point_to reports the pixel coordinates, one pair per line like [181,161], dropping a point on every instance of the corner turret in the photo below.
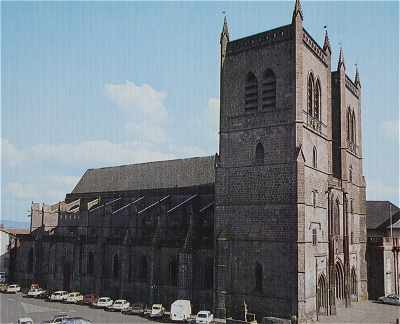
[341,61]
[297,11]
[224,39]
[327,45]
[357,81]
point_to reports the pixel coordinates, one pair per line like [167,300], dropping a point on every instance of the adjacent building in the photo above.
[383,248]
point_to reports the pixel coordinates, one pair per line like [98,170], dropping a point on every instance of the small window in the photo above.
[173,273]
[317,100]
[29,266]
[314,198]
[90,266]
[259,277]
[251,92]
[315,158]
[259,154]
[351,174]
[310,93]
[143,268]
[116,267]
[352,238]
[314,236]
[269,90]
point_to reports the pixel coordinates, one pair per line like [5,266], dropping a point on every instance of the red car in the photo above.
[89,299]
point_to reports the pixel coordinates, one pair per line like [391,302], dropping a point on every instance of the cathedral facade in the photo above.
[276,220]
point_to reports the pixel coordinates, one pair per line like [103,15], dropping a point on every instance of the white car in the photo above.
[25,320]
[74,297]
[13,288]
[157,311]
[59,295]
[58,319]
[103,302]
[204,317]
[119,305]
[35,292]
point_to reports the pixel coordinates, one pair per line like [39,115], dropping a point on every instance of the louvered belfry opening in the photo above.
[251,92]
[269,90]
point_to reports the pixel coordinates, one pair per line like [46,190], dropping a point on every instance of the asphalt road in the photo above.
[14,306]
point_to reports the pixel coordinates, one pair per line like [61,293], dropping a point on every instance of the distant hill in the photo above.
[14,224]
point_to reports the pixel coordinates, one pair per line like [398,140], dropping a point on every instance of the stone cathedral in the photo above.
[275,220]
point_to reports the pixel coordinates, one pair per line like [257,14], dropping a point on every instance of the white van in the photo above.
[181,310]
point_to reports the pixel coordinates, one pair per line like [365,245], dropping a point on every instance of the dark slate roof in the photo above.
[152,175]
[378,212]
[395,222]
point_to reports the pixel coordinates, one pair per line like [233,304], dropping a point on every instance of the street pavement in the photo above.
[14,306]
[365,312]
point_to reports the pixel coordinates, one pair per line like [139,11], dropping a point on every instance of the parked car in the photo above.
[180,310]
[35,292]
[393,299]
[204,317]
[58,319]
[75,320]
[3,287]
[89,299]
[135,309]
[103,302]
[118,305]
[46,295]
[59,295]
[25,320]
[74,297]
[12,289]
[157,311]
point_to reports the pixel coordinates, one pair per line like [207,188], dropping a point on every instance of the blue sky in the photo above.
[90,84]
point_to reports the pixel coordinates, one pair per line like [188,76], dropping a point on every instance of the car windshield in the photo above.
[118,302]
[103,300]
[202,315]
[156,307]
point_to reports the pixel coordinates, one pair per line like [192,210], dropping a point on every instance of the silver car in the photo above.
[392,299]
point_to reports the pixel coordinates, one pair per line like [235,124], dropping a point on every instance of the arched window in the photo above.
[322,300]
[258,272]
[317,100]
[314,198]
[259,154]
[116,267]
[29,265]
[130,269]
[269,90]
[143,268]
[90,266]
[81,260]
[251,92]
[315,158]
[314,236]
[209,273]
[310,90]
[353,285]
[173,272]
[348,119]
[339,284]
[336,218]
[353,127]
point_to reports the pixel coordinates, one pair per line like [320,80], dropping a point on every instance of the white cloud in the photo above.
[144,108]
[391,129]
[10,155]
[48,189]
